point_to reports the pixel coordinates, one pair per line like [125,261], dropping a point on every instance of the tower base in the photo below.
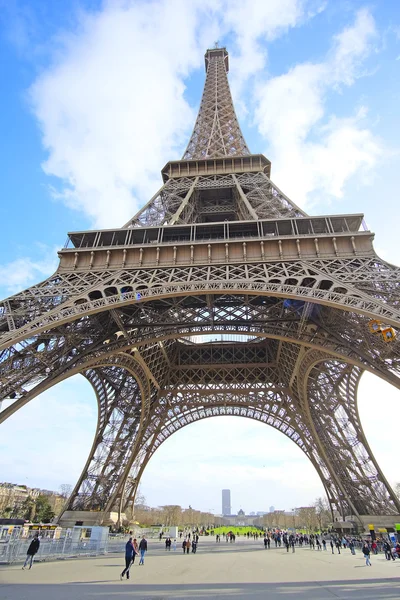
[89,518]
[362,523]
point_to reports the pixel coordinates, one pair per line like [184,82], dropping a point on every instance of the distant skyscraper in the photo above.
[271,508]
[226,502]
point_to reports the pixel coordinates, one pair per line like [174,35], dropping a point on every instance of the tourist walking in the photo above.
[194,546]
[174,546]
[366,552]
[332,547]
[129,557]
[32,550]
[188,544]
[184,546]
[142,549]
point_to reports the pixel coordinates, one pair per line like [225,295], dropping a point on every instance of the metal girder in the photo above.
[216,131]
[218,250]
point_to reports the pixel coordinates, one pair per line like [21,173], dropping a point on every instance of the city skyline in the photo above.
[335,149]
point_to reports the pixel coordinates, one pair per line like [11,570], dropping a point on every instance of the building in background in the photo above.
[226,502]
[272,509]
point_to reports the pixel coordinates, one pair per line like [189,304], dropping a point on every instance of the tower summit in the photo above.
[300,305]
[216,132]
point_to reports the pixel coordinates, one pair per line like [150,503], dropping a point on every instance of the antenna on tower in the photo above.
[216,44]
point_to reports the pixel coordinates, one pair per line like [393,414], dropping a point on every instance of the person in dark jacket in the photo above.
[129,558]
[32,550]
[366,551]
[143,550]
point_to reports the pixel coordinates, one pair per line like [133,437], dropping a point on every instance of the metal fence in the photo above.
[15,550]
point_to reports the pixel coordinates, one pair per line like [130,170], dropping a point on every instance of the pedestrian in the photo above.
[388,551]
[351,546]
[174,546]
[184,546]
[332,547]
[366,552]
[32,550]
[143,550]
[194,546]
[188,544]
[324,543]
[129,556]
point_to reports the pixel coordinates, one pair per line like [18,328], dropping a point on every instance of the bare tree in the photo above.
[65,490]
[140,498]
[307,518]
[322,512]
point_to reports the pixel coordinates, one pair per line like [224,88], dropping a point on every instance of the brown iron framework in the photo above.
[218,251]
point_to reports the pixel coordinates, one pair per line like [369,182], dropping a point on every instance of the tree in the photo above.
[66,490]
[140,498]
[44,513]
[322,512]
[171,514]
[27,509]
[307,518]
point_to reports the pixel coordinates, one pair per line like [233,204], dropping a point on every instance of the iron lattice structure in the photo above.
[218,252]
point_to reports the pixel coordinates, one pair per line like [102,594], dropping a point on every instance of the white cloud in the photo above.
[25,271]
[111,106]
[314,151]
[256,22]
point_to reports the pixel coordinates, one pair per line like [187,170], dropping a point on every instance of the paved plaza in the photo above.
[243,570]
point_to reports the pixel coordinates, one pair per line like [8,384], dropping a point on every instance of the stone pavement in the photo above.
[243,571]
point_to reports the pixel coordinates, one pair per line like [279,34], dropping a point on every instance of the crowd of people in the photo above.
[323,542]
[280,539]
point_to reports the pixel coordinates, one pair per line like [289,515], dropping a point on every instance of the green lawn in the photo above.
[236,530]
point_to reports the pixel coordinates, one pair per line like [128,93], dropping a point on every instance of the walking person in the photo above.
[366,551]
[174,546]
[324,543]
[184,546]
[332,547]
[32,550]
[129,557]
[143,550]
[188,544]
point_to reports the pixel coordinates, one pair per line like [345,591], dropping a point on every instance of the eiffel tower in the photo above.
[219,297]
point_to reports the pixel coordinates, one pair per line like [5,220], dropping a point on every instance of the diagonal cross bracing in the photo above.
[219,297]
[217,131]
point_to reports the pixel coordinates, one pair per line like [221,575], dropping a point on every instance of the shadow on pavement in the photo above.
[387,589]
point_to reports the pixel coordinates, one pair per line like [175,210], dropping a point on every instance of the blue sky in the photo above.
[98,96]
